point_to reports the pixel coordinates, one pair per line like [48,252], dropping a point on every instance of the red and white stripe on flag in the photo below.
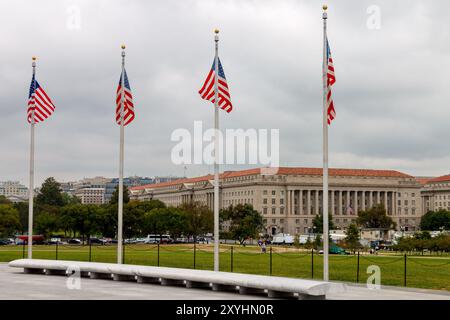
[39,102]
[207,91]
[331,79]
[128,106]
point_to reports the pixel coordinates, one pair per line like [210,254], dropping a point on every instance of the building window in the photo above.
[264,210]
[274,221]
[273,210]
[297,221]
[281,201]
[264,192]
[265,201]
[281,220]
[273,192]
[282,210]
[273,201]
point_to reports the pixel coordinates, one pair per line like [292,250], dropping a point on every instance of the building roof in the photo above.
[281,171]
[440,179]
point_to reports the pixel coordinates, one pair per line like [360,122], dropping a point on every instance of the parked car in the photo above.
[96,241]
[130,241]
[4,242]
[74,241]
[140,240]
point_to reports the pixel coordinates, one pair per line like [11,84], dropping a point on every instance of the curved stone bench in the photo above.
[221,281]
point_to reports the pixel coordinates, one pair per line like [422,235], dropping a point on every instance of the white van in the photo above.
[156,238]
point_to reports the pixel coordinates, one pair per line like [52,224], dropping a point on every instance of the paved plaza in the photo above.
[15,284]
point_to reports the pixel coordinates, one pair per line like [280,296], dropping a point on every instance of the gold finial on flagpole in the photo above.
[324,7]
[123,47]
[216,31]
[33,58]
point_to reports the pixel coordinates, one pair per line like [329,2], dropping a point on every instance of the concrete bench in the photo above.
[273,287]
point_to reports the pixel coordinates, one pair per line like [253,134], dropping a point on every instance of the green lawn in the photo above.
[422,272]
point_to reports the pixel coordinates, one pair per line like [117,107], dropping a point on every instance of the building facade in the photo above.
[13,191]
[290,198]
[436,194]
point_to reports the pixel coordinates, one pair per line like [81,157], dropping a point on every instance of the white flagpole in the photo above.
[216,153]
[31,186]
[325,150]
[120,196]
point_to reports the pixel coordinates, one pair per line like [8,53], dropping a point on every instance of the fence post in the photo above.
[90,251]
[270,260]
[56,250]
[404,280]
[231,267]
[158,254]
[357,270]
[123,251]
[312,263]
[23,249]
[195,249]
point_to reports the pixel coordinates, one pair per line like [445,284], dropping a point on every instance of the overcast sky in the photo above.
[391,94]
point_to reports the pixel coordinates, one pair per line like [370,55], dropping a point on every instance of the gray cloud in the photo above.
[390,95]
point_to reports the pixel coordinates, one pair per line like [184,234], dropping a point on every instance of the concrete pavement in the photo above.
[15,284]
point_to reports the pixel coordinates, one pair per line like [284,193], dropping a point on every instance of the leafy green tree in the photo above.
[115,195]
[50,193]
[318,223]
[4,200]
[165,220]
[245,222]
[352,237]
[199,219]
[434,220]
[46,223]
[22,209]
[68,199]
[9,220]
[375,217]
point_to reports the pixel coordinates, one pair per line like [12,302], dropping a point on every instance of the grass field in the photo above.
[422,272]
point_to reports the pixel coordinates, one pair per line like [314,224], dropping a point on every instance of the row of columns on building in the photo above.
[341,202]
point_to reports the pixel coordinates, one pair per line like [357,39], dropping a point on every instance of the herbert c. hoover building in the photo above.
[289,198]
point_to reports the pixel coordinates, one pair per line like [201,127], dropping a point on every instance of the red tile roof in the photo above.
[440,179]
[283,171]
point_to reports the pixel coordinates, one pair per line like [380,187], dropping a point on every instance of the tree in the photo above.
[318,223]
[352,237]
[4,200]
[22,209]
[245,222]
[115,195]
[46,224]
[435,220]
[68,199]
[9,220]
[50,193]
[165,220]
[375,217]
[198,219]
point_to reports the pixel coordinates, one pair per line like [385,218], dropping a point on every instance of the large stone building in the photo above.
[290,198]
[436,194]
[13,190]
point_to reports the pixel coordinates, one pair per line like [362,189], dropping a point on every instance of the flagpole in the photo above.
[31,186]
[216,152]
[325,150]
[121,156]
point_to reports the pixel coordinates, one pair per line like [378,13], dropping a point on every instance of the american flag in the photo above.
[39,102]
[330,81]
[128,107]
[207,91]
